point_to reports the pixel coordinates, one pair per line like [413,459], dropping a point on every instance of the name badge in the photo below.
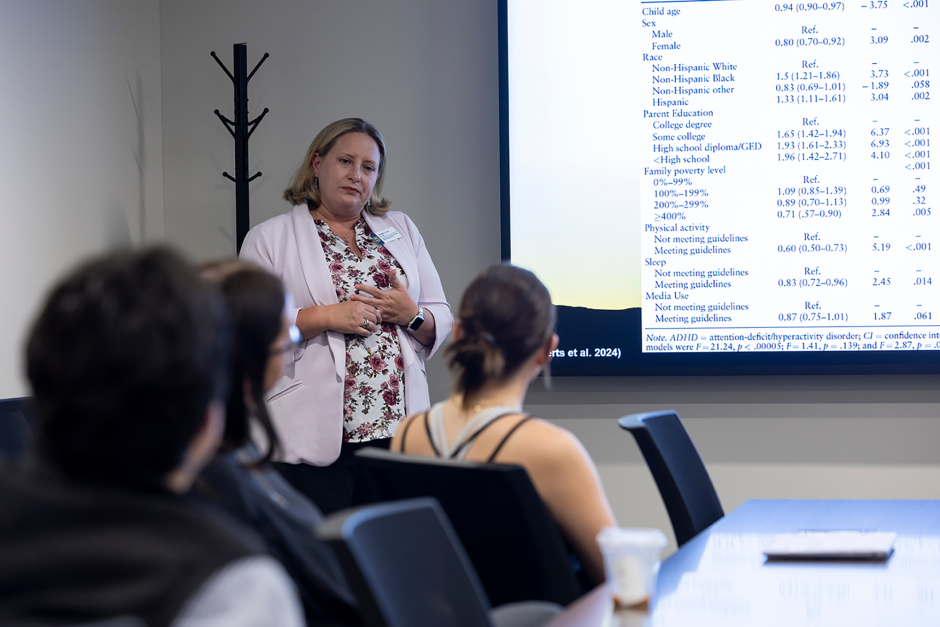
[386,236]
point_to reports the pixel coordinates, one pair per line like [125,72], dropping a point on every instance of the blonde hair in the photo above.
[302,188]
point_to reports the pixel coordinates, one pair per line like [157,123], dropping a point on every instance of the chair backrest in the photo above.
[678,470]
[406,565]
[123,621]
[510,536]
[16,436]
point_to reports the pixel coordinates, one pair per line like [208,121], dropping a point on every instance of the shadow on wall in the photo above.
[139,154]
[223,185]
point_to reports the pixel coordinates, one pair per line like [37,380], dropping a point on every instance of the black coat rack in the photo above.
[241,130]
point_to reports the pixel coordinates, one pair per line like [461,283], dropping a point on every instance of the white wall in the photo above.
[80,146]
[425,71]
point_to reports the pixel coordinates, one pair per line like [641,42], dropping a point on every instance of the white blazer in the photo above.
[306,403]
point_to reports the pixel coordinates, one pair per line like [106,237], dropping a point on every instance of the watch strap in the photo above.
[417,321]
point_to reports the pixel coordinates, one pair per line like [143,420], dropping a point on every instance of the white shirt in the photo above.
[254,591]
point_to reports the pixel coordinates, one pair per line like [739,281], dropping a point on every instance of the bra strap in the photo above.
[404,433]
[460,449]
[427,428]
[507,436]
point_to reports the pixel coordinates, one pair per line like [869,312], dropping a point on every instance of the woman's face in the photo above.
[282,349]
[347,173]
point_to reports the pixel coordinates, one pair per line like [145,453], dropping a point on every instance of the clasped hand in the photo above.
[356,317]
[394,305]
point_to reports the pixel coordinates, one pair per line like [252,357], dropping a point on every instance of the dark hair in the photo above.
[506,315]
[124,359]
[255,301]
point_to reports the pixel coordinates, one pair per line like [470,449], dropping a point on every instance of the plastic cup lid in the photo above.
[618,536]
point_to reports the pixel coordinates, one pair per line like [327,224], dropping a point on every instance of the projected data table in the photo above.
[788,201]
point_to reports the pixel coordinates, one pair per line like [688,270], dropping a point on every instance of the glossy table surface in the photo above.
[722,578]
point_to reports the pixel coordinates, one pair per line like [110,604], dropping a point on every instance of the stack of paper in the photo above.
[851,545]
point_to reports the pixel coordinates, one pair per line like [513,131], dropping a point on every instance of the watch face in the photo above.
[416,324]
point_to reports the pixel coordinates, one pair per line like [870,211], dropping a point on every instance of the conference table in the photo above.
[720,577]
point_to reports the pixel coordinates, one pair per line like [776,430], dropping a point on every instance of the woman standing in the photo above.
[370,309]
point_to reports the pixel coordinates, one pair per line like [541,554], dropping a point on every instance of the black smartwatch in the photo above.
[417,321]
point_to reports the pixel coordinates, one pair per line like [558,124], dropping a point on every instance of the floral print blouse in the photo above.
[374,395]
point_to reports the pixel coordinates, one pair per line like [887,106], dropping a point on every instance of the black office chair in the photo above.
[407,567]
[124,621]
[511,538]
[680,475]
[16,436]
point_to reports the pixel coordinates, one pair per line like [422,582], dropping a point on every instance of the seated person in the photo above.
[503,338]
[127,363]
[240,479]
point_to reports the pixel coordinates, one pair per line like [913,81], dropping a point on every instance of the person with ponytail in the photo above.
[241,480]
[503,338]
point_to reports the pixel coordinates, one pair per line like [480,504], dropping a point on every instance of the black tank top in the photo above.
[433,424]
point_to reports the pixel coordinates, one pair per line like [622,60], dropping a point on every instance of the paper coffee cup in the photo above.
[631,561]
